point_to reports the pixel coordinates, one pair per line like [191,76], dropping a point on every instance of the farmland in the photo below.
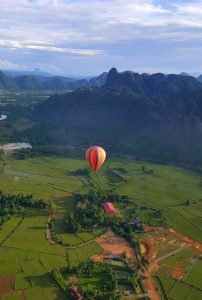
[26,253]
[168,188]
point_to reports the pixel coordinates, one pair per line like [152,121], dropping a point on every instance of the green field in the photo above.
[177,290]
[185,260]
[26,253]
[189,285]
[195,275]
[24,250]
[99,279]
[168,188]
[11,297]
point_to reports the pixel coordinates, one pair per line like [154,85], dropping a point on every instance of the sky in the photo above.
[88,37]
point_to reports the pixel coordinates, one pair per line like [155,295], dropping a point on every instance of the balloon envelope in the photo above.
[95,156]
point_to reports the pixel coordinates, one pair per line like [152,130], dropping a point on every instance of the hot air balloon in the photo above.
[95,156]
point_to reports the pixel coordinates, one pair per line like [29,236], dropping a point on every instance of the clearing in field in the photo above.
[113,244]
[177,273]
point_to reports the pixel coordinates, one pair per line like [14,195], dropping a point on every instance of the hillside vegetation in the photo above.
[157,117]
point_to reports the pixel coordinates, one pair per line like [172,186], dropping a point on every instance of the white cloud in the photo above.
[8,65]
[46,46]
[97,31]
[61,23]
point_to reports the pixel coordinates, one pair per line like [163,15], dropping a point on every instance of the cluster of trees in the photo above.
[54,235]
[92,294]
[98,196]
[109,291]
[12,204]
[153,216]
[89,212]
[28,201]
[123,229]
[23,154]
[117,176]
[147,171]
[61,281]
[134,280]
[87,216]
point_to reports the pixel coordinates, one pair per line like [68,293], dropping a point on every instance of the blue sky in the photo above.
[87,37]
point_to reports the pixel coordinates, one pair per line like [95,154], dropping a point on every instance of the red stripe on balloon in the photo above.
[93,159]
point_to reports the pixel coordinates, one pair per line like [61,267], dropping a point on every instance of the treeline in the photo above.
[45,149]
[61,282]
[12,204]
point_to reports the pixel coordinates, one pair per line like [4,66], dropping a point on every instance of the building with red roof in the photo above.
[109,208]
[75,293]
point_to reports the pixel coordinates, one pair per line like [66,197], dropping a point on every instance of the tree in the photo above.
[187,202]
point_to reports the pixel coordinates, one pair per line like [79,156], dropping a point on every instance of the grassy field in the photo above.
[183,260]
[168,188]
[24,250]
[99,279]
[195,275]
[172,289]
[180,275]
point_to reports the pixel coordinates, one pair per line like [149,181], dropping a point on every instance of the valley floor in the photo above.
[28,254]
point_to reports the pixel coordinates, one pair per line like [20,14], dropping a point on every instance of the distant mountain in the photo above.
[7,83]
[36,72]
[199,78]
[184,74]
[154,116]
[56,83]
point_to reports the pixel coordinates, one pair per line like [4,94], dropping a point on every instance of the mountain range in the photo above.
[157,116]
[40,83]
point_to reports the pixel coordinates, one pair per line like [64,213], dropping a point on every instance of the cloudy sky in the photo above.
[87,37]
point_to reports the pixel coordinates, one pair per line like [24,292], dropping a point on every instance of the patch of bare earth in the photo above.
[7,284]
[177,273]
[183,238]
[151,251]
[150,246]
[113,244]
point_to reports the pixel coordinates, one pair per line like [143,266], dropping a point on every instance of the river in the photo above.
[3,117]
[15,146]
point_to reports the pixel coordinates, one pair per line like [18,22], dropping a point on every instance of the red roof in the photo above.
[108,207]
[75,293]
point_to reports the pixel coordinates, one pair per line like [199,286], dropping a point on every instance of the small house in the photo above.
[109,208]
[75,294]
[126,293]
